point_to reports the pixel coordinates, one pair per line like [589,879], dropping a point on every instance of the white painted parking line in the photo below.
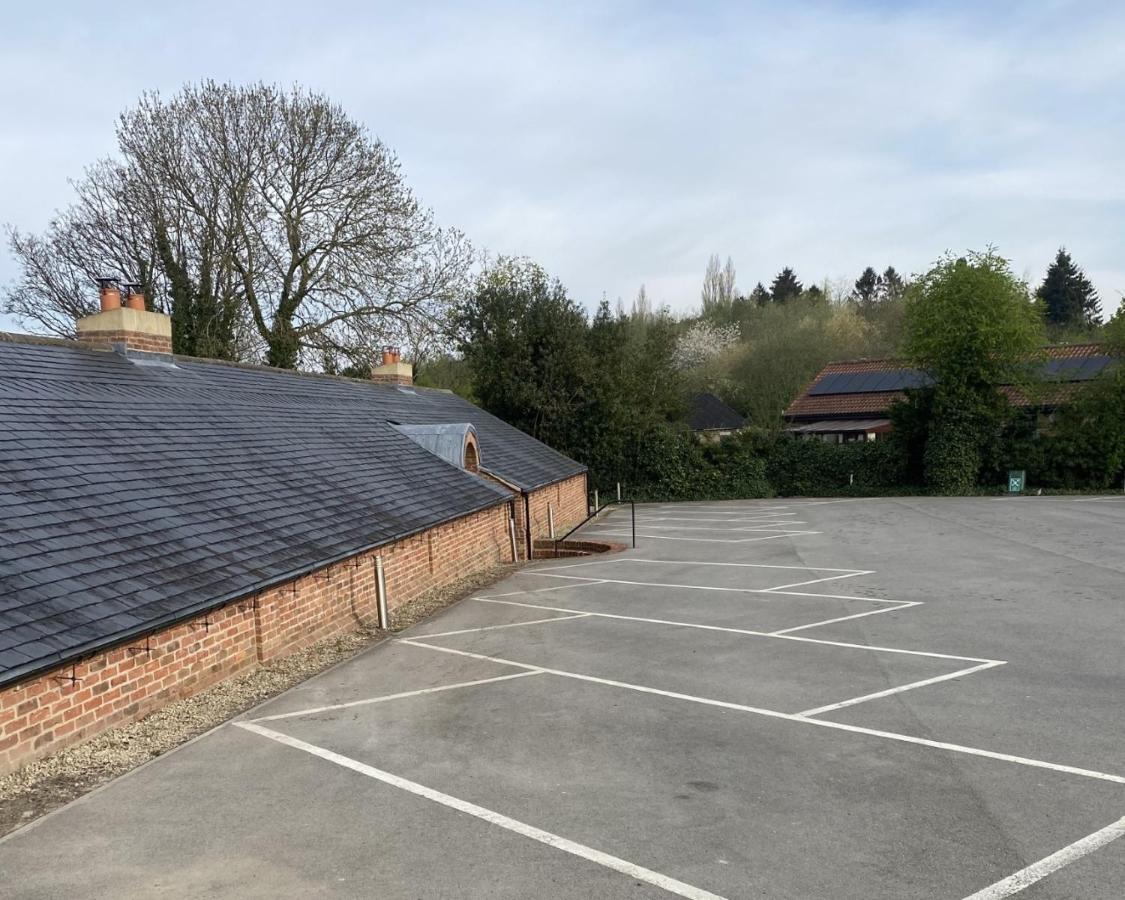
[792,717]
[826,502]
[768,517]
[898,690]
[665,537]
[561,587]
[876,648]
[617,864]
[576,615]
[765,634]
[782,587]
[695,562]
[314,710]
[1037,871]
[904,604]
[720,528]
[710,587]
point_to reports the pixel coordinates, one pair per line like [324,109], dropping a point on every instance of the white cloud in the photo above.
[624,143]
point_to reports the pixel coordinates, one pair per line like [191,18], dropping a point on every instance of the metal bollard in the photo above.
[551,520]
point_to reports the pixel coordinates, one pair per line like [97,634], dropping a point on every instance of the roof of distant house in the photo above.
[868,387]
[134,496]
[708,413]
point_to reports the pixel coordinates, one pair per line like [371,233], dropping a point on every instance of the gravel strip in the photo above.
[48,783]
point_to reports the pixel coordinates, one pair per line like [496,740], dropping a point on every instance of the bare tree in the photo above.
[270,203]
[718,286]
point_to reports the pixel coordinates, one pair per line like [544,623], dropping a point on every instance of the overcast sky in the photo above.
[621,143]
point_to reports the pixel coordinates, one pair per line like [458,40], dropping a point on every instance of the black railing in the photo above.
[594,515]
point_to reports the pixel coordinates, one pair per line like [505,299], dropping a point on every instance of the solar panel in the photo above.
[1083,368]
[1078,369]
[869,382]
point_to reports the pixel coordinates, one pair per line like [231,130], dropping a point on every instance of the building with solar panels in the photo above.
[851,401]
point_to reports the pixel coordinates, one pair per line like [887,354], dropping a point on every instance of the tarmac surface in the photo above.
[875,699]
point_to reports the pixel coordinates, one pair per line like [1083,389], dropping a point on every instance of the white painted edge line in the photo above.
[904,604]
[900,689]
[792,717]
[1026,877]
[782,587]
[664,537]
[695,562]
[577,615]
[384,698]
[625,867]
[747,631]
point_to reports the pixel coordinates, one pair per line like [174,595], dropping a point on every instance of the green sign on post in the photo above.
[1017,478]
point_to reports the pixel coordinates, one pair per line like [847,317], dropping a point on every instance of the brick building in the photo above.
[167,522]
[851,401]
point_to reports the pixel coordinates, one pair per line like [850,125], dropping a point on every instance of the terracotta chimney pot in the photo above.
[109,294]
[134,296]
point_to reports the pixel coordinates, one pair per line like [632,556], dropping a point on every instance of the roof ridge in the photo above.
[15,337]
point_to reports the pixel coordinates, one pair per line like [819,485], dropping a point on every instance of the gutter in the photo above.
[100,645]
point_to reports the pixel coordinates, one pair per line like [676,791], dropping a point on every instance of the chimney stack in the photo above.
[129,330]
[393,370]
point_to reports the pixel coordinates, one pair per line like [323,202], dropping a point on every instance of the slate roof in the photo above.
[868,387]
[708,413]
[132,496]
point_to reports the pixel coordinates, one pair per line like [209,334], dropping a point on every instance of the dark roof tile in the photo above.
[134,496]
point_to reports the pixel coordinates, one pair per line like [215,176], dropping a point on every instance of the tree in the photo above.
[702,341]
[257,205]
[718,287]
[972,327]
[891,287]
[759,296]
[785,286]
[525,343]
[1067,294]
[113,227]
[867,288]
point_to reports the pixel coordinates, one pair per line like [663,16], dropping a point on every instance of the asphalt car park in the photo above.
[887,698]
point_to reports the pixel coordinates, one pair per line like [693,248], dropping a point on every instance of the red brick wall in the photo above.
[569,500]
[49,712]
[134,340]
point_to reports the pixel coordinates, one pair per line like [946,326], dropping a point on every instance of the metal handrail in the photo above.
[594,515]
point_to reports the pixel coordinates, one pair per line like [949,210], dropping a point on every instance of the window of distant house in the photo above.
[472,457]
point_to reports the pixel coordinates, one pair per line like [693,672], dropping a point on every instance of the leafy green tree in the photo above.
[972,326]
[1086,447]
[1068,295]
[785,286]
[525,342]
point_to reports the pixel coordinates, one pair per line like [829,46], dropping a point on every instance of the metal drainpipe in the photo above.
[381,594]
[527,525]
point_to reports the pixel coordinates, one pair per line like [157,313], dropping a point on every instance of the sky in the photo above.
[622,143]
